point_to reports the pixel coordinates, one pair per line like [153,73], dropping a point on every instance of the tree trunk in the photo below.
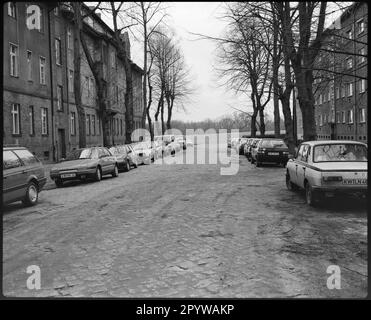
[77,81]
[162,118]
[169,112]
[145,112]
[306,103]
[262,122]
[147,107]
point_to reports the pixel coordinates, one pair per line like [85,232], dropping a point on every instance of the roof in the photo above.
[136,67]
[319,142]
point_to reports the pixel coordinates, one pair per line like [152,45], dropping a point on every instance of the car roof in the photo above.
[319,142]
[14,148]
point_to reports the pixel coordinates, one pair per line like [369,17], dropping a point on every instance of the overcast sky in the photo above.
[212,100]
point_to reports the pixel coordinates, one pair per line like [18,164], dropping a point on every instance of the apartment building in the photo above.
[39,108]
[341,92]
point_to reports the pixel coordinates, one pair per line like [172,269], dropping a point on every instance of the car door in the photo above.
[14,177]
[111,160]
[302,165]
[31,164]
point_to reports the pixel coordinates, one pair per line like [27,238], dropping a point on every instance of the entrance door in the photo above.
[61,144]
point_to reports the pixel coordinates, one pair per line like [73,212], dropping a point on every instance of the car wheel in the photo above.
[310,197]
[127,166]
[58,183]
[115,172]
[290,186]
[98,175]
[32,195]
[257,163]
[136,164]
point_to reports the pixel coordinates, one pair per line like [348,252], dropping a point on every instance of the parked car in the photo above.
[145,152]
[23,176]
[241,145]
[327,168]
[189,141]
[271,151]
[85,163]
[133,158]
[246,148]
[253,149]
[122,157]
[182,142]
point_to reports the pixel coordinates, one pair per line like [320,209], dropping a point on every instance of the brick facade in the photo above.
[341,96]
[57,93]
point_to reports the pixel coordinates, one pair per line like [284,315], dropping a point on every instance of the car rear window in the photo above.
[26,156]
[10,160]
[340,152]
[79,154]
[273,144]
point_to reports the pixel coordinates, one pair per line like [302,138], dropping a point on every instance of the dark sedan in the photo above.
[87,163]
[271,151]
[122,157]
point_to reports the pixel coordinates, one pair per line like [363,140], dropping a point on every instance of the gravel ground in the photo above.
[185,231]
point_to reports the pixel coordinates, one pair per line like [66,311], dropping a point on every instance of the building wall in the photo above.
[332,90]
[21,90]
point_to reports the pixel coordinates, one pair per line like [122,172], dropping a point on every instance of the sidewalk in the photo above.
[49,182]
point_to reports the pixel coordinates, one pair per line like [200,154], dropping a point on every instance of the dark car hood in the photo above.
[74,164]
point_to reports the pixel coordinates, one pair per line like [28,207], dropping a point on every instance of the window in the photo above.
[337,117]
[320,98]
[93,125]
[117,94]
[117,127]
[13,60]
[16,121]
[10,160]
[360,26]
[113,60]
[98,125]
[73,124]
[337,92]
[350,116]
[59,98]
[32,120]
[329,94]
[69,39]
[56,11]
[29,65]
[121,126]
[350,34]
[343,116]
[88,124]
[362,59]
[41,20]
[349,87]
[362,85]
[362,115]
[88,82]
[70,81]
[26,156]
[332,119]
[58,52]
[320,120]
[42,70]
[12,10]
[44,121]
[342,91]
[349,62]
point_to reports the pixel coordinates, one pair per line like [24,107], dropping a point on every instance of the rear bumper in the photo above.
[340,190]
[271,159]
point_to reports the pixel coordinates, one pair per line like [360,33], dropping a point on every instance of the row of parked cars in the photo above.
[24,175]
[322,168]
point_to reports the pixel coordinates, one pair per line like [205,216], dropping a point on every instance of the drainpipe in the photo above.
[51,81]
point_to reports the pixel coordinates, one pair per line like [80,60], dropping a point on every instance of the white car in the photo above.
[144,152]
[327,168]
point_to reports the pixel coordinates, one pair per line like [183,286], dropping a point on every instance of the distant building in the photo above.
[39,108]
[341,94]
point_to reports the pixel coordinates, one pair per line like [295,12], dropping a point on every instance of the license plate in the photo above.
[273,153]
[68,175]
[354,181]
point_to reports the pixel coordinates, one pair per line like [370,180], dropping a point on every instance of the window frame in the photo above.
[31,113]
[16,60]
[18,121]
[44,116]
[73,123]
[44,70]
[14,7]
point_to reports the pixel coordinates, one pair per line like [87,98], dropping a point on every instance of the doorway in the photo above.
[61,144]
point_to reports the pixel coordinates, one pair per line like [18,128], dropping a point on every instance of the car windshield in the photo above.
[79,154]
[273,144]
[340,152]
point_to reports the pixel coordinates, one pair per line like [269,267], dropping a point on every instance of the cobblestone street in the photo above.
[185,231]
